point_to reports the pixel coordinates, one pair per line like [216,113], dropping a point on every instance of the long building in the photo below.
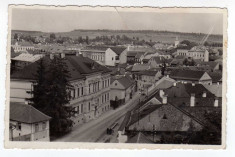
[196,52]
[91,86]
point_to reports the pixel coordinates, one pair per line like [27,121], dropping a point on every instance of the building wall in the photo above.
[123,57]
[110,57]
[98,97]
[41,134]
[18,90]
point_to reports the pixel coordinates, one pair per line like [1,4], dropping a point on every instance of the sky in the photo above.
[51,20]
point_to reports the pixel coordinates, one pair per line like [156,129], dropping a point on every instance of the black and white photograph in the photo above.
[111,75]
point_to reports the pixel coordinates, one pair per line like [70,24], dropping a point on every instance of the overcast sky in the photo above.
[67,20]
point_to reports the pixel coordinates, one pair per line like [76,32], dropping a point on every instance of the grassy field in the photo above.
[163,36]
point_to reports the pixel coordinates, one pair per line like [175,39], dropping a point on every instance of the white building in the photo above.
[102,55]
[28,123]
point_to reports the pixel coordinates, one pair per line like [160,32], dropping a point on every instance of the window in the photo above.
[36,127]
[78,92]
[44,125]
[107,96]
[18,126]
[78,110]
[82,90]
[82,108]
[89,106]
[89,88]
[115,84]
[112,58]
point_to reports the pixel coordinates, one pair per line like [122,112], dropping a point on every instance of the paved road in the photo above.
[95,129]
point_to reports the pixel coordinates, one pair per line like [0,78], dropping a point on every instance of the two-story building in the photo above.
[91,86]
[196,52]
[22,46]
[102,55]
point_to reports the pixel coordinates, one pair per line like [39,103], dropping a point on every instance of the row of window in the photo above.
[105,98]
[75,93]
[94,87]
[192,54]
[97,57]
[36,125]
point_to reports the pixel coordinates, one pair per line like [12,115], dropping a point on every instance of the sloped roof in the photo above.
[26,114]
[27,57]
[131,53]
[140,67]
[139,138]
[216,76]
[78,66]
[126,81]
[158,59]
[187,74]
[181,90]
[150,72]
[118,50]
[215,89]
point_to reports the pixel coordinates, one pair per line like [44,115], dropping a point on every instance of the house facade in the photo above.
[195,53]
[102,55]
[122,88]
[22,46]
[28,123]
[90,94]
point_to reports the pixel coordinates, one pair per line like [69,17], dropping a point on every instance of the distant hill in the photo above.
[162,36]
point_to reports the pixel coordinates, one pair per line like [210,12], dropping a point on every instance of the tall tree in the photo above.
[51,94]
[39,98]
[58,94]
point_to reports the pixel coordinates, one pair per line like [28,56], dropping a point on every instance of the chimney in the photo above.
[217,83]
[161,93]
[216,103]
[192,100]
[193,84]
[164,99]
[51,56]
[204,94]
[62,55]
[174,84]
[167,76]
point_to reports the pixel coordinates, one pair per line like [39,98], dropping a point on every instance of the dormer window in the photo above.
[164,116]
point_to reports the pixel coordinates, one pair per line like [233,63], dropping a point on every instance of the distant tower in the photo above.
[176,41]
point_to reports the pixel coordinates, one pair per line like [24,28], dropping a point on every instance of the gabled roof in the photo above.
[216,76]
[26,114]
[118,50]
[126,81]
[187,74]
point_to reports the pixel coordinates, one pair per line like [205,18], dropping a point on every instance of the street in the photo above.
[94,130]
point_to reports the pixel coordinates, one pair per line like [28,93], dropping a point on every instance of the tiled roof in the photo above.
[118,50]
[216,76]
[77,66]
[131,53]
[187,74]
[126,81]
[158,59]
[185,90]
[27,57]
[26,114]
[215,89]
[140,67]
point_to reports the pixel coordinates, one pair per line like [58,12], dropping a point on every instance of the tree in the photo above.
[58,94]
[39,98]
[51,95]
[16,36]
[52,36]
